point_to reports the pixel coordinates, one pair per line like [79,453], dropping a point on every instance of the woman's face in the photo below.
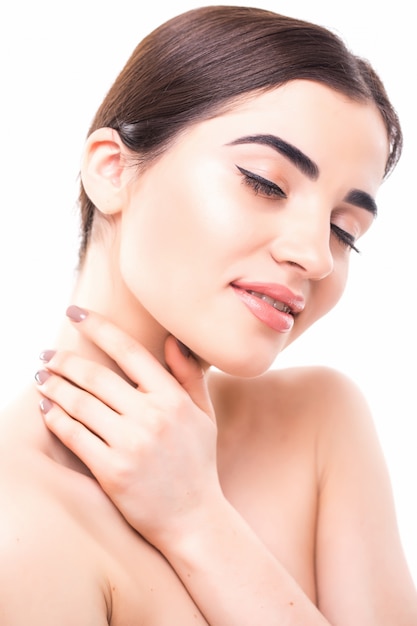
[238,238]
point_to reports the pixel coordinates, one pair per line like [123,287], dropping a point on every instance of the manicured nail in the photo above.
[45,405]
[183,348]
[76,314]
[46,355]
[42,376]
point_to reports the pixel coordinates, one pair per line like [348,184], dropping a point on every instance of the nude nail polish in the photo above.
[76,314]
[42,376]
[46,355]
[45,405]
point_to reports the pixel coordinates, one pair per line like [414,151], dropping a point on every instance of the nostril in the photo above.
[312,264]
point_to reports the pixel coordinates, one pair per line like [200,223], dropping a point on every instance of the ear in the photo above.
[103,173]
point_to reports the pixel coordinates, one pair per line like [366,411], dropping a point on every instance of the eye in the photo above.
[345,238]
[261,185]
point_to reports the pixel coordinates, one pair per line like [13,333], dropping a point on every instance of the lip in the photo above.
[279,320]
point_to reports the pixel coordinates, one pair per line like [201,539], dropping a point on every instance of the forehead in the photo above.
[323,123]
[303,100]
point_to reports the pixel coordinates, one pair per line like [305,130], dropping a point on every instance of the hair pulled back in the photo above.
[191,66]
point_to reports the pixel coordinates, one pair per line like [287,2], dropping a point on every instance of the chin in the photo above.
[246,366]
[248,358]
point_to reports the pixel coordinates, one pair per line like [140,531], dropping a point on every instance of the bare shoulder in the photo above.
[67,555]
[278,436]
[277,380]
[45,561]
[317,407]
[320,394]
[315,422]
[318,413]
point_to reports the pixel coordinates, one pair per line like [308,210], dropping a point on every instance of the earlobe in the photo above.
[102,170]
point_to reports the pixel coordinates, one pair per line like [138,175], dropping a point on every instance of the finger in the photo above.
[133,359]
[84,409]
[189,374]
[98,380]
[89,448]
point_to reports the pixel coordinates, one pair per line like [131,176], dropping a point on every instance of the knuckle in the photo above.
[61,360]
[69,369]
[78,404]
[62,363]
[176,406]
[158,425]
[119,472]
[130,347]
[73,433]
[106,334]
[68,430]
[165,412]
[101,331]
[160,421]
[75,407]
[91,376]
[134,445]
[114,340]
[171,400]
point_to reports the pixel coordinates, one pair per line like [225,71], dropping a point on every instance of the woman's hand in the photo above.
[151,444]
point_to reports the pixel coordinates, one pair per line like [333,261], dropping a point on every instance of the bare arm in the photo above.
[362,574]
[232,576]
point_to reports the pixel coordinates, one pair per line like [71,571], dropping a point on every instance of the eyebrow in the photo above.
[301,161]
[306,166]
[363,200]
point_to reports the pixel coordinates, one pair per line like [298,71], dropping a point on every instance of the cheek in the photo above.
[149,249]
[171,249]
[183,230]
[330,290]
[323,297]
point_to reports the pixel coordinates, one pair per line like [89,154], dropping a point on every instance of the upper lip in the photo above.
[293,301]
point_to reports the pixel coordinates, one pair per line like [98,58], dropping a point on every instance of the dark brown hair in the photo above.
[195,64]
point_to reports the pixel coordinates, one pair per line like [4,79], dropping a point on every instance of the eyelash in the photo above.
[261,185]
[269,189]
[345,238]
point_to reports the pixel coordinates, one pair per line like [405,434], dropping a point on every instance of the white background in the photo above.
[57,62]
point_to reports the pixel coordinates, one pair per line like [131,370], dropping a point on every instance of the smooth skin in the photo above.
[264,494]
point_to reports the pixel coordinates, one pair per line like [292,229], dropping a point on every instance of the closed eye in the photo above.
[345,238]
[261,185]
[267,188]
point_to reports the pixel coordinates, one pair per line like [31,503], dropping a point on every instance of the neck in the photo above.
[99,287]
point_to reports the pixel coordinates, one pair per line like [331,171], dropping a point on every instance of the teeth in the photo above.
[280,306]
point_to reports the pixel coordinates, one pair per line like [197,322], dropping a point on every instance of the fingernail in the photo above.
[46,355]
[183,348]
[45,405]
[42,376]
[76,314]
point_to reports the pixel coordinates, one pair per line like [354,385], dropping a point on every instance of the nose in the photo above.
[303,241]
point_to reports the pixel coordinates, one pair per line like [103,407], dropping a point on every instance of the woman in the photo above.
[226,178]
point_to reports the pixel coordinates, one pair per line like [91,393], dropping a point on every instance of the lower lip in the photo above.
[277,320]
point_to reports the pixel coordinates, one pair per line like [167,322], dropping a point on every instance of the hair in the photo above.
[194,65]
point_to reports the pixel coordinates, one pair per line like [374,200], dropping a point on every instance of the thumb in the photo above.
[189,373]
